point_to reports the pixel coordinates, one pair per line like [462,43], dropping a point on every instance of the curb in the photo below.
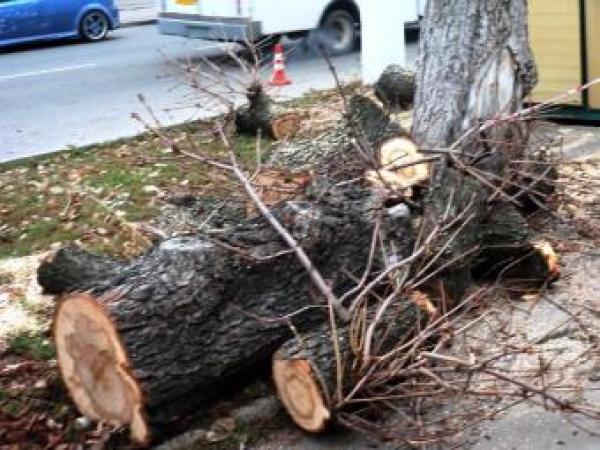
[137,23]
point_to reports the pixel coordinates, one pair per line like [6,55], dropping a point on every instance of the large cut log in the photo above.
[142,343]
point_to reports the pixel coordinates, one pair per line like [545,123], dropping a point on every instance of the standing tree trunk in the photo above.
[475,63]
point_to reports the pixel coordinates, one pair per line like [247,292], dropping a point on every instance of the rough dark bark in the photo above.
[395,88]
[187,312]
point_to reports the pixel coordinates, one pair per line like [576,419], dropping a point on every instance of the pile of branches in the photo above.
[358,288]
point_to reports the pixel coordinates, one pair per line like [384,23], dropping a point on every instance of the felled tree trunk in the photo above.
[143,343]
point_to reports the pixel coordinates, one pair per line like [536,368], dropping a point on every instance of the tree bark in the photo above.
[475,63]
[185,318]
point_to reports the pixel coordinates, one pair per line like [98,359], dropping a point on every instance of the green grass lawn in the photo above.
[81,194]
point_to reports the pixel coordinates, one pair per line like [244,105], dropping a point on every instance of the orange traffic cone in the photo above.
[279,77]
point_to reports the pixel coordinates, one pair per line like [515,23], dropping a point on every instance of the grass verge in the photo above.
[74,195]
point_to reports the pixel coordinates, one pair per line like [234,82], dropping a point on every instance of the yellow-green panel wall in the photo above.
[554,31]
[592,12]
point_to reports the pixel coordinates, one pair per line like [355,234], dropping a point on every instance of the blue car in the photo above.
[35,20]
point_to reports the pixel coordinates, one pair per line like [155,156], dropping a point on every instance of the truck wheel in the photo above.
[94,26]
[340,31]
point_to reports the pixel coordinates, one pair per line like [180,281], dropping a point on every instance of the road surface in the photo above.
[57,95]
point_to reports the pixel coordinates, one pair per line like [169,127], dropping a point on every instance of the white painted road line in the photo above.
[46,72]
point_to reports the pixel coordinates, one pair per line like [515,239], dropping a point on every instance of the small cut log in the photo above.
[304,368]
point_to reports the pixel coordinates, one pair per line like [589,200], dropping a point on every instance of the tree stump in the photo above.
[395,88]
[261,114]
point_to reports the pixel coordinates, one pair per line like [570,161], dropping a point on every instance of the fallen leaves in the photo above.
[274,185]
[34,417]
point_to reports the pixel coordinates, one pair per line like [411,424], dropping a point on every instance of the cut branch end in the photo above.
[299,391]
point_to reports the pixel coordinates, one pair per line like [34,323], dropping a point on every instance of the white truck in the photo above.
[258,20]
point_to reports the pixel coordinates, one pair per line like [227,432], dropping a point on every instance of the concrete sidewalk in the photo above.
[137,12]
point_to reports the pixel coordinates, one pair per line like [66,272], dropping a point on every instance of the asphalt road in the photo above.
[56,95]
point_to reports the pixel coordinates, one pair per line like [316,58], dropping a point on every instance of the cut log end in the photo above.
[400,167]
[95,367]
[549,256]
[300,393]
